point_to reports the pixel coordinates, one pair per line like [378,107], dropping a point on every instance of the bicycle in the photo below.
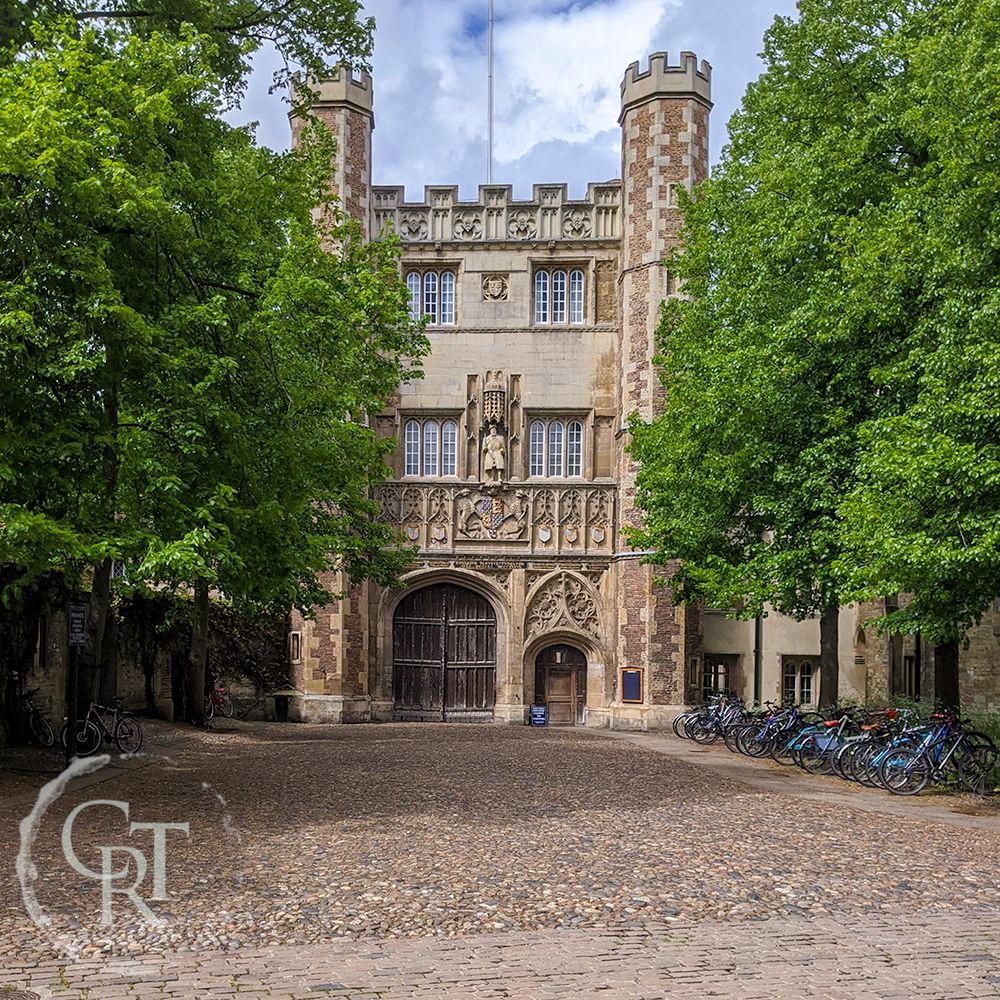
[945,753]
[124,730]
[218,702]
[38,725]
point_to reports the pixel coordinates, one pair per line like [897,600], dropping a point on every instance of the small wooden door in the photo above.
[561,684]
[444,655]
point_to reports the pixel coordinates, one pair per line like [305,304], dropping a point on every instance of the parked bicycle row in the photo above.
[890,748]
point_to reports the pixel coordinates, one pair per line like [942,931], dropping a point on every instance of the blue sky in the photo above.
[557,74]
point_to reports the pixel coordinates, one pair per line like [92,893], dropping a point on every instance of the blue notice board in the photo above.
[538,715]
[632,684]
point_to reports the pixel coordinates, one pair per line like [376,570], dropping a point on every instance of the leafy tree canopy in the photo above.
[187,362]
[829,429]
[314,35]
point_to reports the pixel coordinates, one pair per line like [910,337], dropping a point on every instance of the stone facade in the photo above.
[543,315]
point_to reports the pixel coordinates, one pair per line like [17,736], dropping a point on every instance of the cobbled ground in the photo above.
[542,863]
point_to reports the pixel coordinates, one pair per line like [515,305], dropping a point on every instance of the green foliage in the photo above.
[187,363]
[316,35]
[830,426]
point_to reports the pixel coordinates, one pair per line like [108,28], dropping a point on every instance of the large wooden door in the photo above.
[444,655]
[561,684]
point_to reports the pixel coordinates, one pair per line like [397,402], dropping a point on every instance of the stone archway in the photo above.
[561,683]
[444,655]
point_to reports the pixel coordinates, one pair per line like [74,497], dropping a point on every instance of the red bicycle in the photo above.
[218,702]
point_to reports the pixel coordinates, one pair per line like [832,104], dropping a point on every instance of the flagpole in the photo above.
[489,95]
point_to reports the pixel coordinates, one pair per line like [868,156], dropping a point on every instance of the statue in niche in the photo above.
[494,456]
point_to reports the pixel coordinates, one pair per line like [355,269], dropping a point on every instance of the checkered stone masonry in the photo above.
[664,121]
[345,107]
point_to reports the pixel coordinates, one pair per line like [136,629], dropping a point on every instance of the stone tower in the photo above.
[345,105]
[664,120]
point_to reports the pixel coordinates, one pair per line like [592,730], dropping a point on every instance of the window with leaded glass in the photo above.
[555,448]
[431,294]
[799,677]
[559,296]
[430,448]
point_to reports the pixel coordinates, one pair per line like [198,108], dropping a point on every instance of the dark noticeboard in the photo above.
[631,684]
[77,619]
[539,715]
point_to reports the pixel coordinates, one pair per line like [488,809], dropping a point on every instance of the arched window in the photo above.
[555,448]
[411,448]
[449,448]
[431,296]
[576,297]
[541,296]
[413,288]
[555,463]
[447,315]
[536,461]
[558,296]
[432,293]
[574,448]
[430,448]
[552,293]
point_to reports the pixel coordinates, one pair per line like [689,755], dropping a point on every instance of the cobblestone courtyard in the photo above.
[474,861]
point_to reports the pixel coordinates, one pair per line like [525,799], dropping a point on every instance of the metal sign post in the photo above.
[76,621]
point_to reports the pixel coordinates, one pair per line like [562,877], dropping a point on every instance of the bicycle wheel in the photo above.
[88,738]
[814,759]
[977,769]
[905,771]
[228,710]
[209,707]
[758,743]
[705,732]
[128,734]
[781,747]
[41,730]
[731,735]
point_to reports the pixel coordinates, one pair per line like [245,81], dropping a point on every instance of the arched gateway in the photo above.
[561,684]
[444,655]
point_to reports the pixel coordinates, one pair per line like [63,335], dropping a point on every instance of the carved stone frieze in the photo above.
[468,226]
[413,226]
[494,515]
[522,225]
[576,520]
[576,224]
[496,216]
[564,601]
[496,287]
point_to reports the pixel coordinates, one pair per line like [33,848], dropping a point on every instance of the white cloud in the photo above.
[557,73]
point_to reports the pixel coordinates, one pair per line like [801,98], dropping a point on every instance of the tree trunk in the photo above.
[829,656]
[92,657]
[199,656]
[946,692]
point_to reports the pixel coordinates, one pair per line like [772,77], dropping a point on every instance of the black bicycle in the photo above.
[38,725]
[103,723]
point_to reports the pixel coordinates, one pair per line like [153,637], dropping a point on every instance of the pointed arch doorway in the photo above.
[444,656]
[561,683]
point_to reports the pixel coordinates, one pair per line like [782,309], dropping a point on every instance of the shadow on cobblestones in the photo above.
[408,831]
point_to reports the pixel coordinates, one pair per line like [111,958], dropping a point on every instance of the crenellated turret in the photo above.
[345,103]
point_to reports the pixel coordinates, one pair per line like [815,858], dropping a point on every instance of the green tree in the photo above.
[188,363]
[808,258]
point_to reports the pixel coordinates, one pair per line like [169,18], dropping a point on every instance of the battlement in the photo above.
[345,87]
[495,216]
[688,79]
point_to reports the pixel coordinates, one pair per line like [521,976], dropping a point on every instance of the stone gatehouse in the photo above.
[511,475]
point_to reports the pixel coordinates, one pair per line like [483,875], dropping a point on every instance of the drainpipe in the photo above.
[758,642]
